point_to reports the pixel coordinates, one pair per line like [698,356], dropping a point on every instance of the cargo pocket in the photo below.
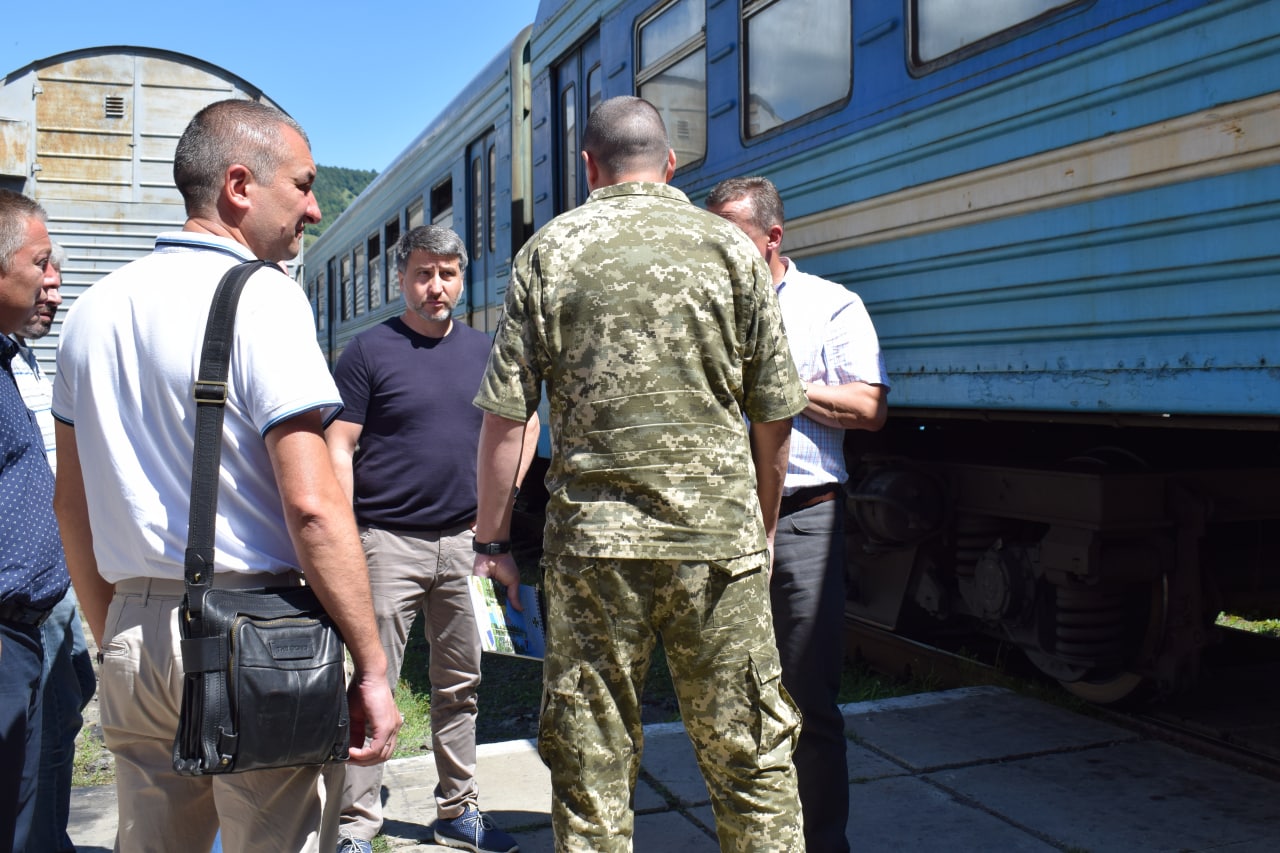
[586,748]
[563,707]
[777,723]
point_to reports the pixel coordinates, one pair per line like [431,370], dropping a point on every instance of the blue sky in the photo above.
[404,60]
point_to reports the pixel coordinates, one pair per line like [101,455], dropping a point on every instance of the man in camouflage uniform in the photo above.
[655,328]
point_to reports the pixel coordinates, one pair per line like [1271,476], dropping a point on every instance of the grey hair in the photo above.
[760,193]
[626,134]
[58,256]
[432,239]
[225,133]
[16,211]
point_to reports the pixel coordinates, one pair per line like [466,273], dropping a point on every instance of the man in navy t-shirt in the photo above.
[405,448]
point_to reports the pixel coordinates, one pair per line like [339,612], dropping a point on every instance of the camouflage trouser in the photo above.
[602,622]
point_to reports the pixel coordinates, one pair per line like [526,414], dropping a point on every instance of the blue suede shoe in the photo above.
[347,844]
[471,830]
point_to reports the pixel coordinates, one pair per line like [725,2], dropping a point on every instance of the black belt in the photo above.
[806,497]
[20,614]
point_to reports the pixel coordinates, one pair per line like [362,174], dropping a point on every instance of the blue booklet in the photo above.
[503,629]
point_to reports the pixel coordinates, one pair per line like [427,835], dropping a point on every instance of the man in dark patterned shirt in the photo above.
[33,573]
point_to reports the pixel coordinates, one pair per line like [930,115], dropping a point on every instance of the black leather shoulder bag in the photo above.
[264,683]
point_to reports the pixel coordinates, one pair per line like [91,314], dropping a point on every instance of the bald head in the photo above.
[625,140]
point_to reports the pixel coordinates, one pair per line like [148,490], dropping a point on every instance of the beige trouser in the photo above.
[425,571]
[271,811]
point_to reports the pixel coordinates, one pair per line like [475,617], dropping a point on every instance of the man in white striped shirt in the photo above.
[837,355]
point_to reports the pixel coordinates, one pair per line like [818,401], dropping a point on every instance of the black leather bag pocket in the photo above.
[265,684]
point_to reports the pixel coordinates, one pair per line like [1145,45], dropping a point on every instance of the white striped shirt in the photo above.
[833,342]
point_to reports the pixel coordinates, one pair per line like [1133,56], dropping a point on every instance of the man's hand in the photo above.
[502,568]
[374,720]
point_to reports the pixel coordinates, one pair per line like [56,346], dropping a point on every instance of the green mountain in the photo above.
[336,188]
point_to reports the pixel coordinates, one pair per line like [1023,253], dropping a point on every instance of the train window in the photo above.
[671,74]
[348,299]
[392,229]
[375,271]
[942,27]
[311,290]
[477,208]
[595,88]
[569,138]
[362,280]
[442,204]
[322,301]
[799,59]
[493,196]
[413,214]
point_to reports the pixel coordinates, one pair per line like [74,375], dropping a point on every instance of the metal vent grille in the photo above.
[113,106]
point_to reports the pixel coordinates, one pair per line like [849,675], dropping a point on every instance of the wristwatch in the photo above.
[490,548]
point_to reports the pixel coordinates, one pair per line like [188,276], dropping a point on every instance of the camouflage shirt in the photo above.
[655,327]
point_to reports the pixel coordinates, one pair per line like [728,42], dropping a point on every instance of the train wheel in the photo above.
[1120,686]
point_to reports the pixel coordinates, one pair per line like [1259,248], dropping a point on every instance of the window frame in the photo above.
[691,46]
[917,68]
[748,9]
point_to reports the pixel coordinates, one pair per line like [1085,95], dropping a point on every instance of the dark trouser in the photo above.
[807,593]
[67,685]
[20,665]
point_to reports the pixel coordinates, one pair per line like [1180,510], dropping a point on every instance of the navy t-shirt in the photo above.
[415,467]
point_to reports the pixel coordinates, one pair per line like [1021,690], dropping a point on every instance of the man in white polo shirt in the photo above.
[125,434]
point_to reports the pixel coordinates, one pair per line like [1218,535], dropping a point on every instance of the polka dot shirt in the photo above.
[33,572]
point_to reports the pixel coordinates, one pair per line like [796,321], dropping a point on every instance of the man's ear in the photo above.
[773,242]
[671,164]
[593,170]
[235,185]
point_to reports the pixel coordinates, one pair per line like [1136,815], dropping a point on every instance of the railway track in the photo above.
[1233,715]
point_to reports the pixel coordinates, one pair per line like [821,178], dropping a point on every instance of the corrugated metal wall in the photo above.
[91,134]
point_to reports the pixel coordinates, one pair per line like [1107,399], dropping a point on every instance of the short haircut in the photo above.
[766,204]
[626,134]
[58,256]
[224,133]
[432,239]
[16,211]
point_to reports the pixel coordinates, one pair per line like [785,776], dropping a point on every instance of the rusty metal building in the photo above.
[90,134]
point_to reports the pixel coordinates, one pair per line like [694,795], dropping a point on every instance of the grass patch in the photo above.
[858,683]
[93,763]
[1250,622]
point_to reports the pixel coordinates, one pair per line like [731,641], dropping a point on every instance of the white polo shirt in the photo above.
[127,357]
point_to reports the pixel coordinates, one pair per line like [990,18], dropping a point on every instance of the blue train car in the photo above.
[468,170]
[1058,213]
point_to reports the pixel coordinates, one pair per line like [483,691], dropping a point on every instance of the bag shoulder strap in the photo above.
[210,392]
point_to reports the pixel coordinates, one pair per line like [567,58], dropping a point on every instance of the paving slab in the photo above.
[973,724]
[907,813]
[668,758]
[1132,796]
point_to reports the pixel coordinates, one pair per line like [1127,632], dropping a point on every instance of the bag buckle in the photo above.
[210,392]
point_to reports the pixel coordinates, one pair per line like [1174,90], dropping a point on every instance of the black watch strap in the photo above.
[490,548]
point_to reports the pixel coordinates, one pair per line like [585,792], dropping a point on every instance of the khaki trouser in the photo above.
[425,571]
[602,623]
[261,811]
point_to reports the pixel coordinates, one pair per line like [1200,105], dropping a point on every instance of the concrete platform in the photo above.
[973,769]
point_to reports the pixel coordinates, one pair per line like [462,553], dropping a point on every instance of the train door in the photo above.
[484,303]
[579,86]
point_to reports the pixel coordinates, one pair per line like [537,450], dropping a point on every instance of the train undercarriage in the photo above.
[1103,554]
